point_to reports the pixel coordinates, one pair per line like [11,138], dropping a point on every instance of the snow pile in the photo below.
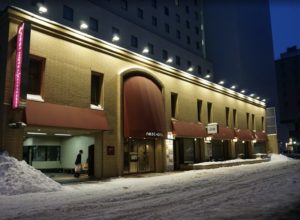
[280,157]
[17,177]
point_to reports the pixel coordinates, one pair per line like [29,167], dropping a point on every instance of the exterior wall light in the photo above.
[170,60]
[235,140]
[233,87]
[42,9]
[207,76]
[115,38]
[264,100]
[221,82]
[257,97]
[83,26]
[145,50]
[252,94]
[190,69]
[243,91]
[254,141]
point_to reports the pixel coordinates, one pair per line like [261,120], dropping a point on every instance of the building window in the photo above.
[115,30]
[134,41]
[187,23]
[68,13]
[187,9]
[36,2]
[167,28]
[263,123]
[177,59]
[35,75]
[199,110]
[166,10]
[253,122]
[124,5]
[177,18]
[209,112]
[199,70]
[154,3]
[177,3]
[96,88]
[93,24]
[151,48]
[174,97]
[195,2]
[197,30]
[189,63]
[154,21]
[196,15]
[140,13]
[45,153]
[178,34]
[247,120]
[188,40]
[227,116]
[197,45]
[234,117]
[165,54]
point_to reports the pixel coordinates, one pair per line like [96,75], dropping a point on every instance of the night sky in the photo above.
[285,16]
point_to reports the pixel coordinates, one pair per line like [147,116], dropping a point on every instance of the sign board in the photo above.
[154,134]
[212,128]
[21,65]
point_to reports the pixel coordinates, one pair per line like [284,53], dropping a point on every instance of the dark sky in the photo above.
[285,17]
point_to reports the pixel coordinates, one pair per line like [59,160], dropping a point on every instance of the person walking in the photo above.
[78,164]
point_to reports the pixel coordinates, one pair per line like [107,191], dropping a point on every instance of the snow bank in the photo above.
[280,157]
[17,177]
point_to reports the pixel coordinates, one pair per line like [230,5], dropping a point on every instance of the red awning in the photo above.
[244,134]
[53,115]
[144,112]
[188,129]
[224,134]
[261,136]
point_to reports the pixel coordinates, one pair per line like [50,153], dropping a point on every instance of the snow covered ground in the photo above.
[269,190]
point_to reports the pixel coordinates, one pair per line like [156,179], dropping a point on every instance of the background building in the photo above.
[288,78]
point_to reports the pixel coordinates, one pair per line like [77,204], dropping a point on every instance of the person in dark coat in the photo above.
[78,164]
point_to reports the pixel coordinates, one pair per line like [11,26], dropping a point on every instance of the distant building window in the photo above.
[93,24]
[197,30]
[247,120]
[154,3]
[209,112]
[35,75]
[124,5]
[165,54]
[154,21]
[96,88]
[68,13]
[188,40]
[187,23]
[167,28]
[199,70]
[234,118]
[115,30]
[187,9]
[199,110]
[198,45]
[227,116]
[174,97]
[177,18]
[177,60]
[178,34]
[140,13]
[253,122]
[166,10]
[151,48]
[134,41]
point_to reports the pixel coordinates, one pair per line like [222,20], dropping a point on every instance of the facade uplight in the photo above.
[115,38]
[170,60]
[264,100]
[252,94]
[145,50]
[257,97]
[83,26]
[42,9]
[221,82]
[207,76]
[233,87]
[190,69]
[243,91]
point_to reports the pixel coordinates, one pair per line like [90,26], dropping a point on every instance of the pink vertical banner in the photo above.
[18,67]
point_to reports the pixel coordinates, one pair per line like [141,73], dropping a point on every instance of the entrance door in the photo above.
[91,160]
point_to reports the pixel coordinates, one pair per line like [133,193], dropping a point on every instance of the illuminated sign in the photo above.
[212,128]
[18,70]
[154,134]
